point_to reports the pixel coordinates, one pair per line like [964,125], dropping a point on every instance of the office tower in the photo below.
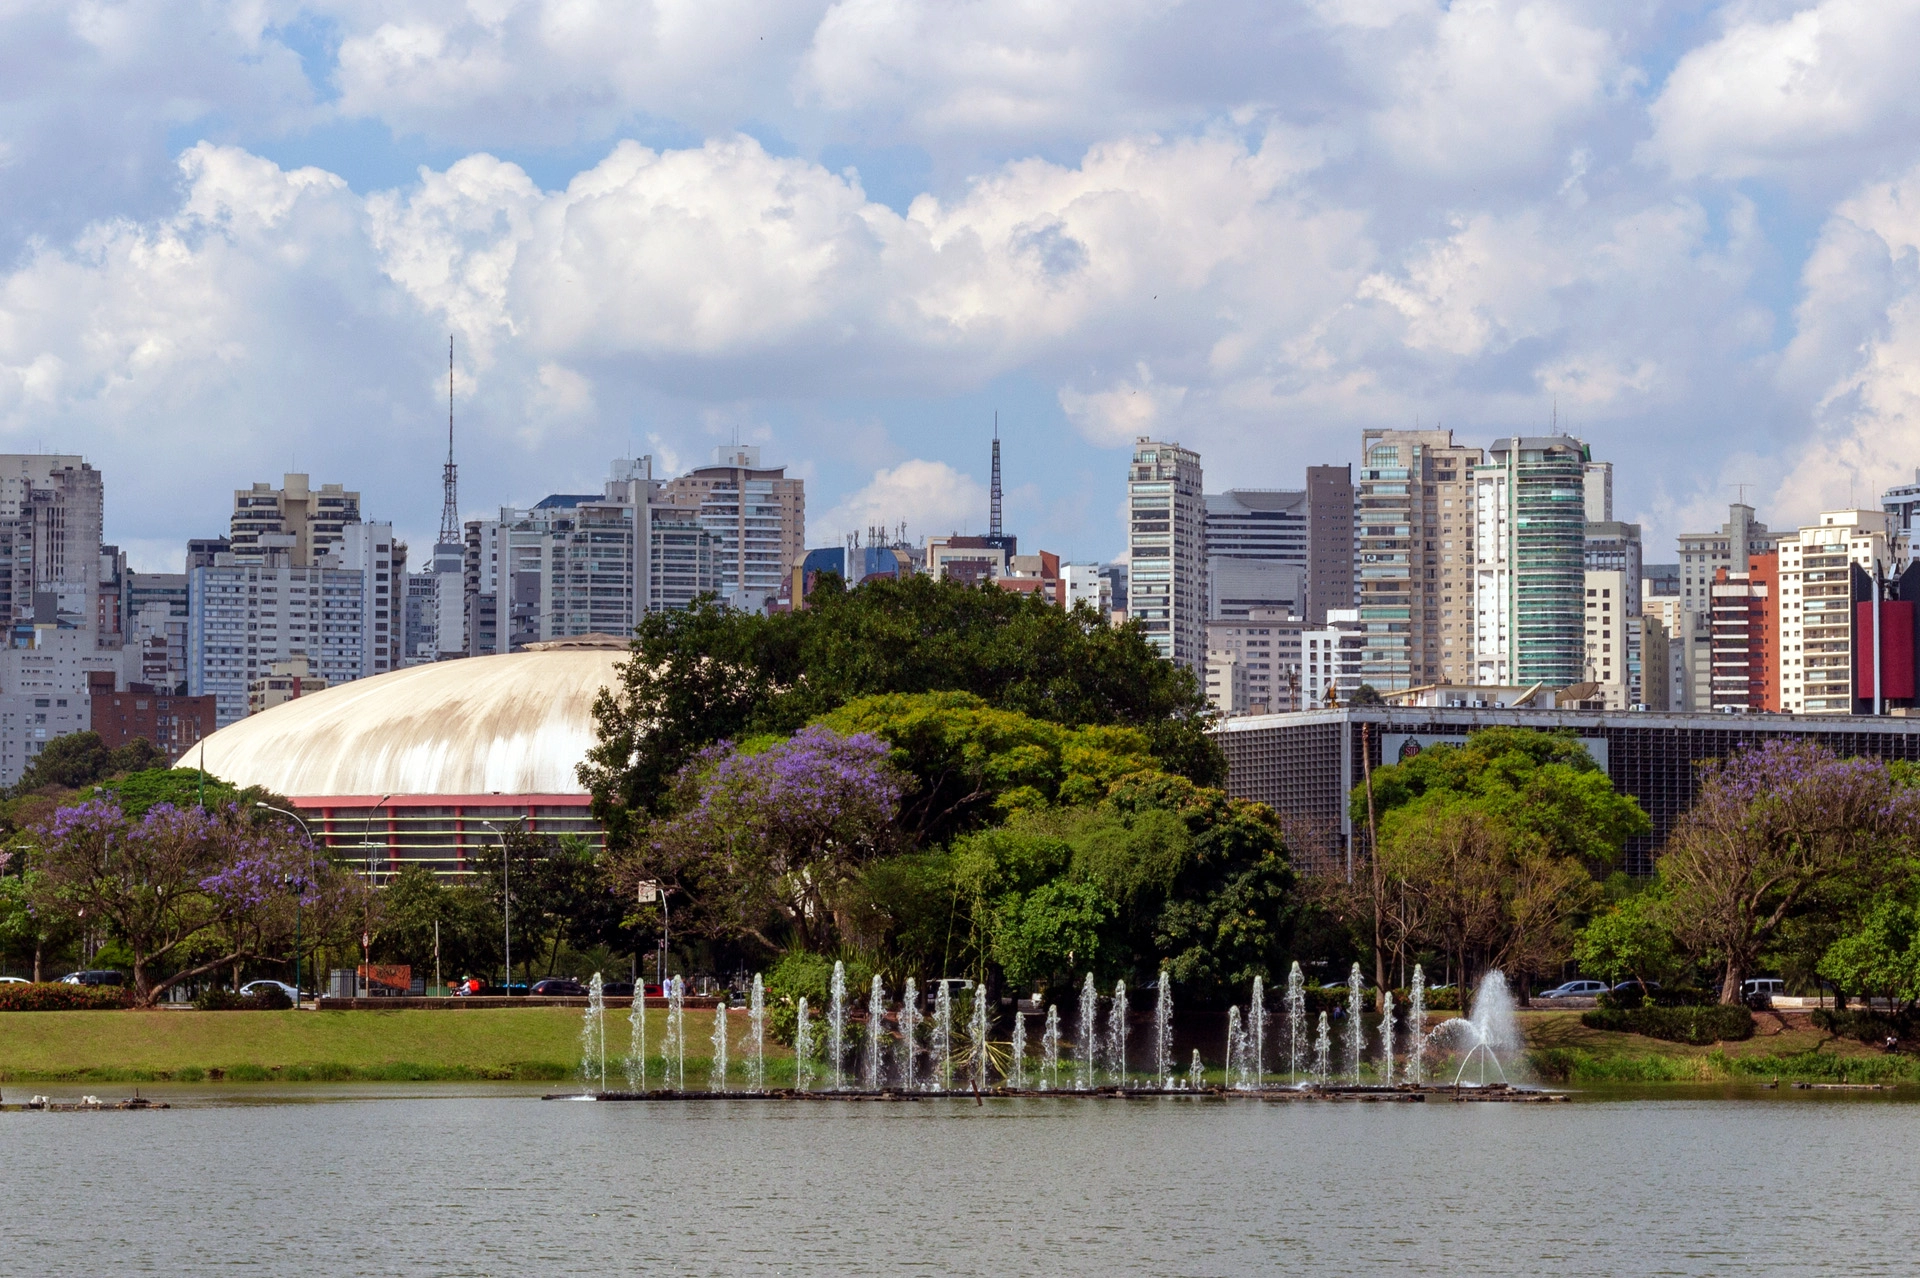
[1087,584]
[153,612]
[1415,557]
[1331,659]
[1901,504]
[1255,662]
[755,516]
[370,550]
[1256,551]
[51,508]
[1612,640]
[304,523]
[1656,669]
[1818,637]
[1745,630]
[1615,547]
[1166,546]
[420,621]
[1597,491]
[1701,555]
[1530,562]
[1330,543]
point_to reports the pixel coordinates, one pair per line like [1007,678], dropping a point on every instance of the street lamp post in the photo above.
[506,903]
[373,880]
[299,885]
[650,891]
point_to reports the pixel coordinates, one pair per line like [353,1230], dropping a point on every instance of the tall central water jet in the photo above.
[1322,1052]
[978,1025]
[876,1034]
[908,1051]
[717,1079]
[1491,1031]
[1089,1035]
[1257,1034]
[593,1037]
[757,1037]
[1236,1071]
[837,1026]
[673,1048]
[1117,1034]
[1163,1031]
[637,1040]
[942,1044]
[1017,1064]
[1417,1028]
[1296,1024]
[1356,1035]
[1386,1040]
[1050,1051]
[802,1046]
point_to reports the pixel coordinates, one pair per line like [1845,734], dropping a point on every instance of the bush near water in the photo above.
[52,996]
[1696,1026]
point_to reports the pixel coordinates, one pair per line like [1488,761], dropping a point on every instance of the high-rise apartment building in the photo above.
[1332,658]
[1257,659]
[1166,543]
[51,515]
[1612,642]
[1330,543]
[1415,557]
[1703,553]
[293,517]
[1530,562]
[1746,635]
[153,620]
[1816,608]
[1256,551]
[1615,547]
[755,516]
[1596,486]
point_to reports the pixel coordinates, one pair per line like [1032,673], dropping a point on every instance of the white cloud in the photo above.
[1781,95]
[1131,408]
[931,497]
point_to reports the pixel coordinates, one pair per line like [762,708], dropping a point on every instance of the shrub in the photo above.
[1697,1026]
[1678,996]
[800,974]
[218,998]
[1863,1026]
[51,996]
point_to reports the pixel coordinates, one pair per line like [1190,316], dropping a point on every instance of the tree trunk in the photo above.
[39,949]
[1730,985]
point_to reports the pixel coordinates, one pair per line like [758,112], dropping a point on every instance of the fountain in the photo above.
[1163,1031]
[593,1038]
[1257,1034]
[673,1048]
[1322,1051]
[1236,1049]
[1491,1030]
[1356,1035]
[802,1048]
[942,1045]
[978,1025]
[837,1027]
[1417,1028]
[757,1037]
[1050,1051]
[1196,1072]
[1017,1064]
[1386,1040]
[1296,1023]
[1117,1034]
[717,1076]
[876,1034]
[1088,1034]
[909,1036]
[637,1040]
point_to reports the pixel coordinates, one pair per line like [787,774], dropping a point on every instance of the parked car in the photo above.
[260,987]
[1575,989]
[93,978]
[560,987]
[1634,987]
[1760,991]
[14,980]
[619,989]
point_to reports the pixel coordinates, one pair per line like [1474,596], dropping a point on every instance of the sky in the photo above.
[235,239]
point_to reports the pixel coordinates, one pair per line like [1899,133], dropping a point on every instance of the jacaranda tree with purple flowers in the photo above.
[185,889]
[1772,825]
[763,843]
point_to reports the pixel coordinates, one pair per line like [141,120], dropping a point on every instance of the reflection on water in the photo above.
[478,1180]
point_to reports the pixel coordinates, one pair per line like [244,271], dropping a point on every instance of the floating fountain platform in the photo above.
[1405,1093]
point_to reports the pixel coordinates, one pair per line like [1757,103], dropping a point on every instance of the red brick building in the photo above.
[175,724]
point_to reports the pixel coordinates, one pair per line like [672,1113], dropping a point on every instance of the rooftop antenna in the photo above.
[994,514]
[450,476]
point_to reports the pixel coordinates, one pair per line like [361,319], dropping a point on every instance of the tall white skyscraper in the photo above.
[1166,543]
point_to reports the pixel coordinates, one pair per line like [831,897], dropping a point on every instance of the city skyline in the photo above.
[1254,230]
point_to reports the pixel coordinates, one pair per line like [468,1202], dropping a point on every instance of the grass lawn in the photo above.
[1564,1050]
[504,1043]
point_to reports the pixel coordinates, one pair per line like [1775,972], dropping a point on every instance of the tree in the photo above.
[81,759]
[762,845]
[178,881]
[710,673]
[1879,957]
[1770,825]
[1629,939]
[1367,695]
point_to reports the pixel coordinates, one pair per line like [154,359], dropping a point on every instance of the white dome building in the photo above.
[413,765]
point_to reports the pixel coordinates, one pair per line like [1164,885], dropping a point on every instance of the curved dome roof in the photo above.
[516,723]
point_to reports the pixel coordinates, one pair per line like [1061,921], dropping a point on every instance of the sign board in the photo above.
[384,978]
[649,893]
[1398,747]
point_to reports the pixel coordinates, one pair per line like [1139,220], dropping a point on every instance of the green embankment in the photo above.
[1562,1050]
[534,1043]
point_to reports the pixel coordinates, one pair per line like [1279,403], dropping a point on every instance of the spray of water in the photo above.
[1017,1060]
[1089,1035]
[1386,1042]
[637,1041]
[1050,1051]
[876,1065]
[1196,1072]
[1322,1052]
[978,1026]
[1491,1033]
[1296,1024]
[1163,1032]
[1117,1034]
[803,1047]
[908,1049]
[1417,1028]
[942,1044]
[1356,1035]
[1257,1035]
[837,1027]
[1236,1075]
[757,1037]
[673,1048]
[593,1037]
[717,1079]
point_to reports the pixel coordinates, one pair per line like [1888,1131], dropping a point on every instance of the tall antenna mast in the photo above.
[993,518]
[450,476]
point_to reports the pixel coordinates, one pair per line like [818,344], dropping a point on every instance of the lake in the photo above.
[491,1180]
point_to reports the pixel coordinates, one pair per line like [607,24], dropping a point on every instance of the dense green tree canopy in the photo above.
[710,673]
